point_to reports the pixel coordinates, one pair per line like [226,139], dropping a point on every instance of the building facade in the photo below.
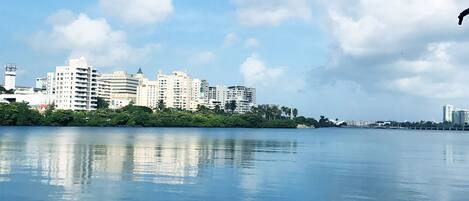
[50,83]
[460,117]
[147,93]
[41,83]
[123,87]
[76,86]
[104,90]
[220,95]
[10,77]
[175,90]
[448,113]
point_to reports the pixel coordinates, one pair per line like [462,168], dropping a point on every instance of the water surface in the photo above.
[39,163]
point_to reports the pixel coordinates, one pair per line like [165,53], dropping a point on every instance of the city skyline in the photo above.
[321,57]
[79,86]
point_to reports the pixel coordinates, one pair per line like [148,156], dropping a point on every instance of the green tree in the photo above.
[295,112]
[161,106]
[102,104]
[203,109]
[217,110]
[231,106]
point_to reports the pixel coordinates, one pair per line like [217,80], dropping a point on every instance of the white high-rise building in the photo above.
[460,117]
[448,113]
[104,90]
[197,93]
[123,86]
[245,97]
[50,83]
[10,77]
[216,96]
[147,93]
[178,90]
[175,90]
[76,86]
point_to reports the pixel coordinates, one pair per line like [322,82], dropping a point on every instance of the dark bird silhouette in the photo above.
[462,15]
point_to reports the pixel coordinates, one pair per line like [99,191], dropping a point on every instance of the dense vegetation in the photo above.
[20,114]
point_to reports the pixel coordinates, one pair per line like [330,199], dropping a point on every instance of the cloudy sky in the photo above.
[347,59]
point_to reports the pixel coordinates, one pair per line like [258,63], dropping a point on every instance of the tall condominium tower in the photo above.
[448,113]
[76,86]
[175,90]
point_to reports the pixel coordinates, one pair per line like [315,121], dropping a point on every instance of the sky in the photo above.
[347,59]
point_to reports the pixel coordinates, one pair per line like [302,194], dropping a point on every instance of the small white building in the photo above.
[34,99]
[119,103]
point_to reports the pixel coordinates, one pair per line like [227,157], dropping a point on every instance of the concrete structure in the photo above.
[50,83]
[175,90]
[36,98]
[448,113]
[460,117]
[10,77]
[41,83]
[104,90]
[123,86]
[178,90]
[147,94]
[245,97]
[242,93]
[118,103]
[76,86]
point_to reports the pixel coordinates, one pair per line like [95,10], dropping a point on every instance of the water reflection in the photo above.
[73,158]
[226,164]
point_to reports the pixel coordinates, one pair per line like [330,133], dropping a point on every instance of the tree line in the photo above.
[263,116]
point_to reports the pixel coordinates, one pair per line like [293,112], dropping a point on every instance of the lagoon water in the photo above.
[38,163]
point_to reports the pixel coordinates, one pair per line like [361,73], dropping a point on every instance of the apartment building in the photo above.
[123,86]
[245,97]
[50,83]
[147,93]
[104,90]
[76,86]
[175,90]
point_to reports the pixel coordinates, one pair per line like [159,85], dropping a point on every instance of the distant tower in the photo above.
[139,76]
[448,113]
[10,77]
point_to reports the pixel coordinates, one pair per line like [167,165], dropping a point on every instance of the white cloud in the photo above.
[252,43]
[271,12]
[256,73]
[92,38]
[230,39]
[202,58]
[410,46]
[61,17]
[138,11]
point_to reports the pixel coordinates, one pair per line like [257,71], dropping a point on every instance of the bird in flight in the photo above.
[462,15]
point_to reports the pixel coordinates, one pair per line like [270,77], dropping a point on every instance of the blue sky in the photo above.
[360,59]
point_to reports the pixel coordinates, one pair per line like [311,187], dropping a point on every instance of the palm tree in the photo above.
[161,106]
[276,112]
[284,110]
[231,105]
[295,112]
[217,109]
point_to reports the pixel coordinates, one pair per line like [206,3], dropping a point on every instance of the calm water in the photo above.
[232,164]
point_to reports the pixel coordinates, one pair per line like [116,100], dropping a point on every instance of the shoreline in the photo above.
[42,126]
